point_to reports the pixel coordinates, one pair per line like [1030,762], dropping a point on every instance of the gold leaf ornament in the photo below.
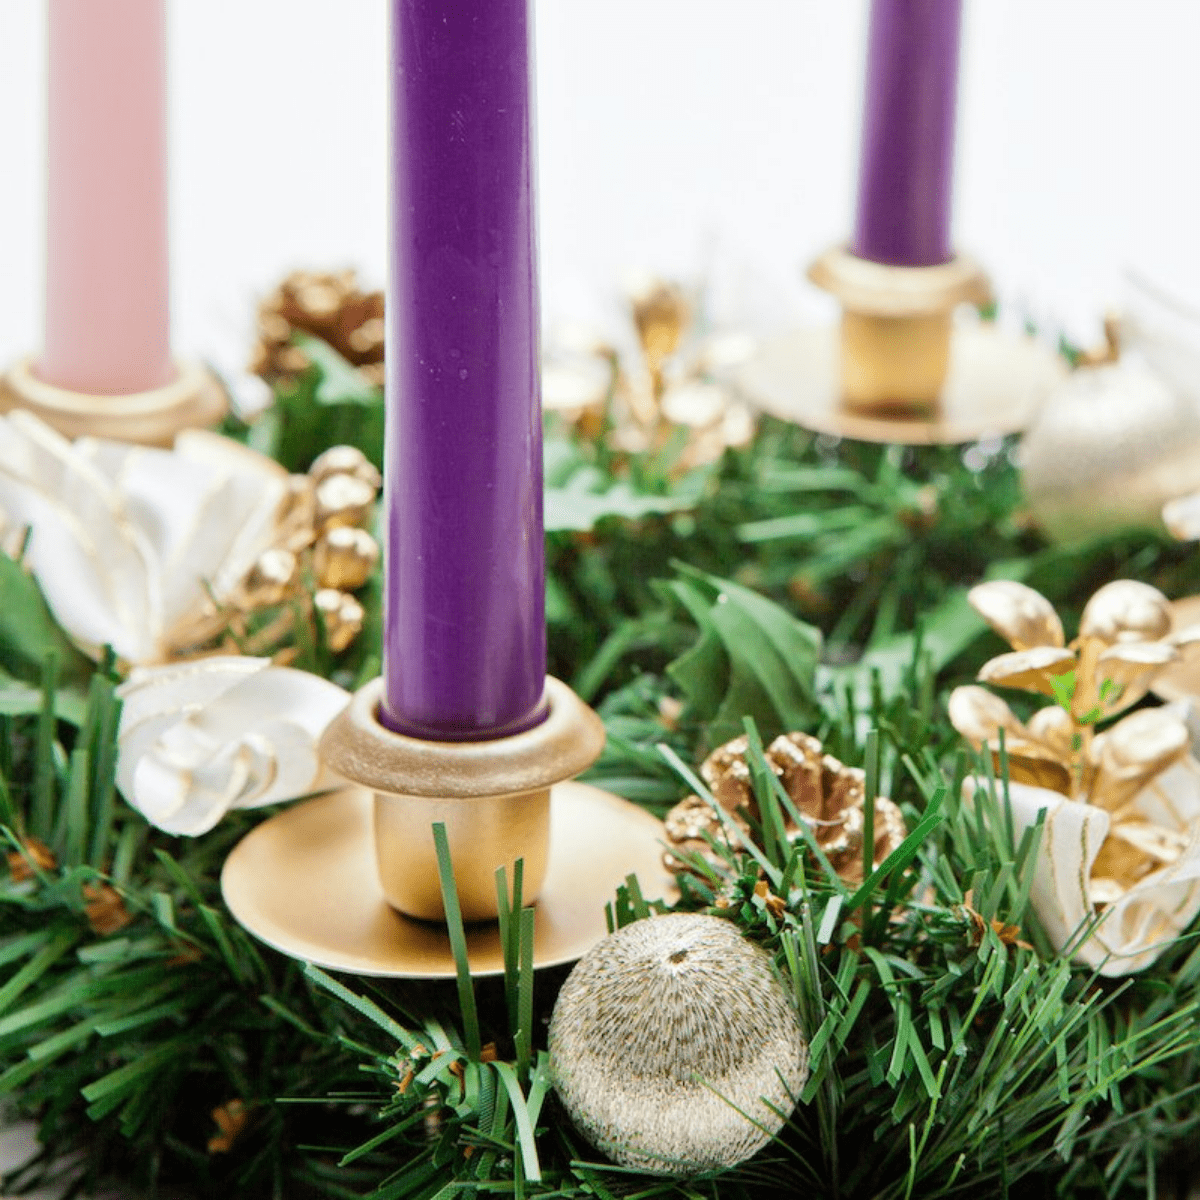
[1130,754]
[978,714]
[1023,617]
[1031,670]
[1182,517]
[1126,611]
[1126,671]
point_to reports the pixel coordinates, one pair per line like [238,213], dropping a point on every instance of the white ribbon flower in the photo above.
[1138,869]
[131,545]
[200,738]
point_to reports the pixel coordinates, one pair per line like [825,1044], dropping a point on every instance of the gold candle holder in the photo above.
[897,367]
[492,796]
[349,880]
[194,399]
[895,331]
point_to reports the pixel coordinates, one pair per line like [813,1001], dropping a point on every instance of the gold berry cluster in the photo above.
[321,537]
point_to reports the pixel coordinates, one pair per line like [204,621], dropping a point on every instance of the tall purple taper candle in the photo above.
[908,133]
[464,605]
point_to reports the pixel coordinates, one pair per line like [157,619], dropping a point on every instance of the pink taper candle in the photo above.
[106,260]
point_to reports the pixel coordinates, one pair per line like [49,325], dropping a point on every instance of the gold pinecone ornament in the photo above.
[328,306]
[828,796]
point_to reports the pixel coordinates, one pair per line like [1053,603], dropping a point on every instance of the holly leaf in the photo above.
[340,381]
[579,495]
[753,659]
[576,509]
[28,631]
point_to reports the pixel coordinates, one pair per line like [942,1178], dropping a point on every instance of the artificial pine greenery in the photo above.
[797,584]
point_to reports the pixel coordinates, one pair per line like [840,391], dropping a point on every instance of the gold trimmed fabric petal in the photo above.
[1140,876]
[197,739]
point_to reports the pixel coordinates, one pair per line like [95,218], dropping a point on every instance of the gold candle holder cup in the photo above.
[894,342]
[492,796]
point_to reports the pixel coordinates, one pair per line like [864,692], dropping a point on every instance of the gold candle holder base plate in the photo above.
[194,399]
[1181,681]
[305,882]
[996,383]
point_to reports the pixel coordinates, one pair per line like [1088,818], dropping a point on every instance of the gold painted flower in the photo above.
[1122,799]
[675,391]
[162,554]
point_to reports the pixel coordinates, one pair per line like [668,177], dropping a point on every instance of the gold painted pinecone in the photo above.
[329,306]
[828,795]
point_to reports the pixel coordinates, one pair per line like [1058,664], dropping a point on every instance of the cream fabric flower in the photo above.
[1091,864]
[132,544]
[199,738]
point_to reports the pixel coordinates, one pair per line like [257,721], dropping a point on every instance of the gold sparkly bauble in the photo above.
[1110,447]
[328,306]
[675,1047]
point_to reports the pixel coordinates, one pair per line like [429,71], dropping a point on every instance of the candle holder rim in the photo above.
[193,399]
[361,748]
[864,286]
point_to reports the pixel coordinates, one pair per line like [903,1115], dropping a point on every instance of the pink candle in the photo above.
[106,223]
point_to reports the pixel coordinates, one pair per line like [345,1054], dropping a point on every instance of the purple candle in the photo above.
[464,605]
[908,133]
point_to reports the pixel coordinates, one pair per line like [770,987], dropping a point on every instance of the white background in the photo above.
[711,140]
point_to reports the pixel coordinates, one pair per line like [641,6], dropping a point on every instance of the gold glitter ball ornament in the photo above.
[675,1047]
[1110,447]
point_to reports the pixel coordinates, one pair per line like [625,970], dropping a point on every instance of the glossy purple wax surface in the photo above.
[464,607]
[907,164]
